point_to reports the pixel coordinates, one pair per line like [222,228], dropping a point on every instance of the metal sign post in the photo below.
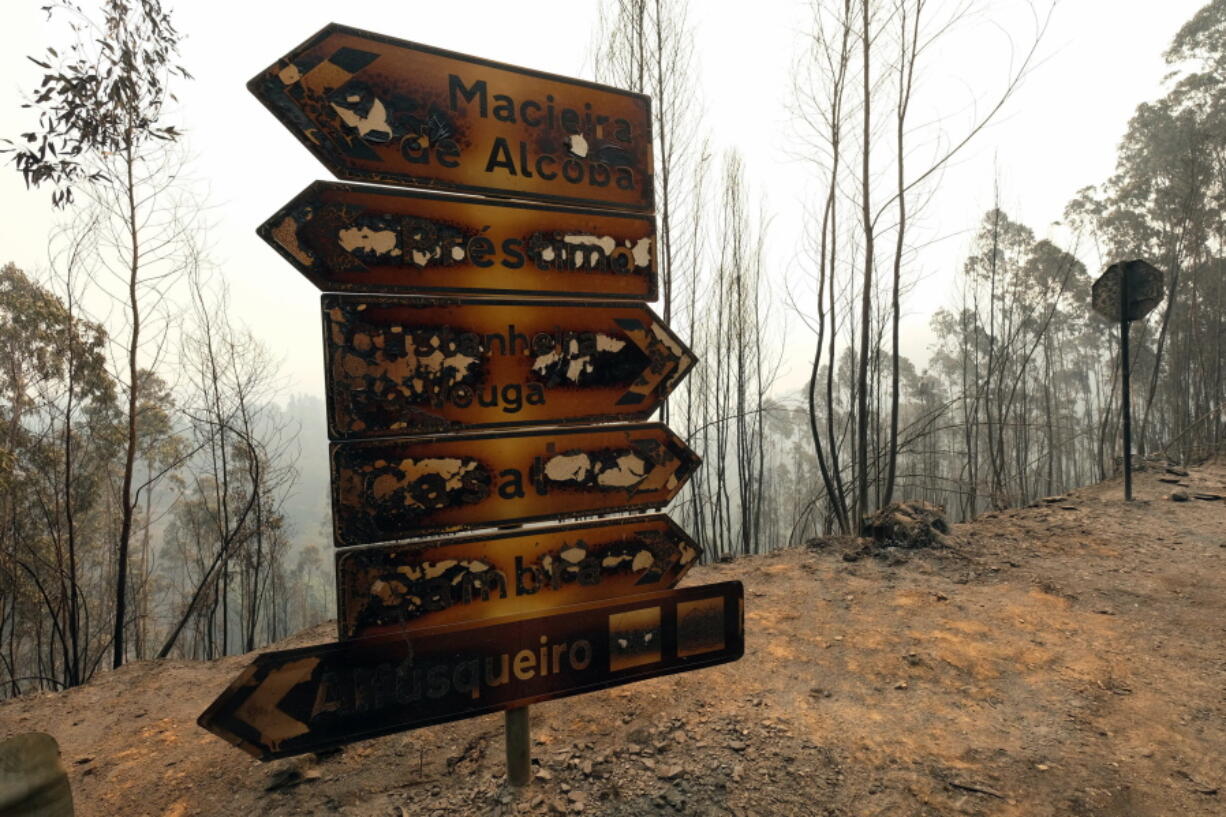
[464,394]
[1127,291]
[519,746]
[1126,388]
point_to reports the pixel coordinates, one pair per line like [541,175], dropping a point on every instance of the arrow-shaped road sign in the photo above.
[383,490]
[354,238]
[428,584]
[314,698]
[397,365]
[374,108]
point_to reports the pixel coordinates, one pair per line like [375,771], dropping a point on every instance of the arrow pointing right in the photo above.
[670,360]
[426,584]
[397,365]
[384,490]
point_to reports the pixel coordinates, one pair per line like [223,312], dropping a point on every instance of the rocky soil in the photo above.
[1063,659]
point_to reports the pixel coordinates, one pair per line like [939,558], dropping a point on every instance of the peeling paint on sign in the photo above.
[442,475]
[366,687]
[577,363]
[371,125]
[388,490]
[349,237]
[375,108]
[629,471]
[568,467]
[577,145]
[405,365]
[362,240]
[436,582]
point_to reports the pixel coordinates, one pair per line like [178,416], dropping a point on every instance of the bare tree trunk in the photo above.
[906,76]
[127,505]
[866,286]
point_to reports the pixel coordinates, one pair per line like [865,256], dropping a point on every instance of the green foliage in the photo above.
[57,448]
[211,541]
[41,339]
[1203,38]
[104,96]
[1166,202]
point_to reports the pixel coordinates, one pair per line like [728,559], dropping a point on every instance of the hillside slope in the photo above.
[1064,659]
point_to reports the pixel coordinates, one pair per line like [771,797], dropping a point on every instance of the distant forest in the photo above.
[163,490]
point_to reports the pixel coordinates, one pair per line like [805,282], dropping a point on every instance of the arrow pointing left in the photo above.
[375,108]
[254,700]
[358,238]
[327,695]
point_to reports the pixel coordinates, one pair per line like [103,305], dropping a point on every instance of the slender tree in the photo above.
[100,111]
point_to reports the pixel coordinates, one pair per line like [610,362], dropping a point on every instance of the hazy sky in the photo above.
[1057,135]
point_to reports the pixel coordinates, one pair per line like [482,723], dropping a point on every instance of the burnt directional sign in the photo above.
[313,698]
[428,584]
[383,490]
[396,365]
[1143,291]
[354,238]
[443,316]
[374,108]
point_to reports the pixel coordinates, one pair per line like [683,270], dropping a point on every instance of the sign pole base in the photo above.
[519,751]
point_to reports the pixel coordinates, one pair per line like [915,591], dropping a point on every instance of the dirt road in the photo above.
[1065,659]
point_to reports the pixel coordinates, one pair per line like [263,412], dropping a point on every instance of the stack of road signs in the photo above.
[489,363]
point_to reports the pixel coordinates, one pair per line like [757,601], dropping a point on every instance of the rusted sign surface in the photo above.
[353,238]
[374,108]
[384,490]
[1145,290]
[428,584]
[295,701]
[396,365]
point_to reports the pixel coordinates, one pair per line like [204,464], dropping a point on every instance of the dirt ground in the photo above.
[1063,659]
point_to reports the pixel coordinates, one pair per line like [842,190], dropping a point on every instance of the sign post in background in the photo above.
[1127,291]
